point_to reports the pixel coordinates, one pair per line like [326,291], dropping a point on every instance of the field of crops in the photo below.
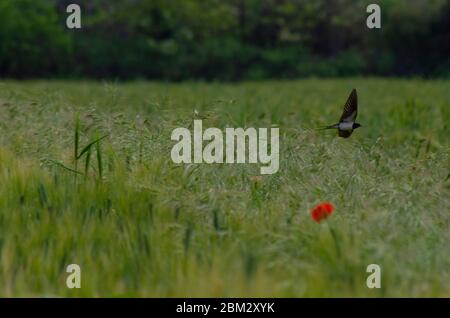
[140,225]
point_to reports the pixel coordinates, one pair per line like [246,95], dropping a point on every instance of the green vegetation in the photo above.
[139,225]
[224,39]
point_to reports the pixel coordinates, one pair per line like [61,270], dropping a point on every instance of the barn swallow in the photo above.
[347,122]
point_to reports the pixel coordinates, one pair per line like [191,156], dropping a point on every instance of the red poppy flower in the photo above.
[322,211]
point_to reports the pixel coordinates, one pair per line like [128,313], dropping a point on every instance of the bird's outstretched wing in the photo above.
[345,133]
[350,108]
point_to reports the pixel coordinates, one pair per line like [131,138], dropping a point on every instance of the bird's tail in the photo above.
[328,127]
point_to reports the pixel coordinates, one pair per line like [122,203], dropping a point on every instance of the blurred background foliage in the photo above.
[223,39]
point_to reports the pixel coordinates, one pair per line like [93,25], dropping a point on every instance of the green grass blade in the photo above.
[59,164]
[86,162]
[85,149]
[42,195]
[76,145]
[76,138]
[99,159]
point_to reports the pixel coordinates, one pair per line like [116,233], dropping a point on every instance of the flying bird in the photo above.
[347,123]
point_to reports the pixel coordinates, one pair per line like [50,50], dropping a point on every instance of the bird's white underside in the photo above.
[346,125]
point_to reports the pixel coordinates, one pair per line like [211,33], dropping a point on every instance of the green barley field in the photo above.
[140,225]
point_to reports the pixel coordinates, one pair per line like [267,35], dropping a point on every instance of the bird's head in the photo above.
[356,125]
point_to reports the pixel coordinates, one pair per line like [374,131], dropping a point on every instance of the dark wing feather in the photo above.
[345,133]
[350,108]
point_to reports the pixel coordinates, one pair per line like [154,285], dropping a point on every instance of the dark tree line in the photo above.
[223,39]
